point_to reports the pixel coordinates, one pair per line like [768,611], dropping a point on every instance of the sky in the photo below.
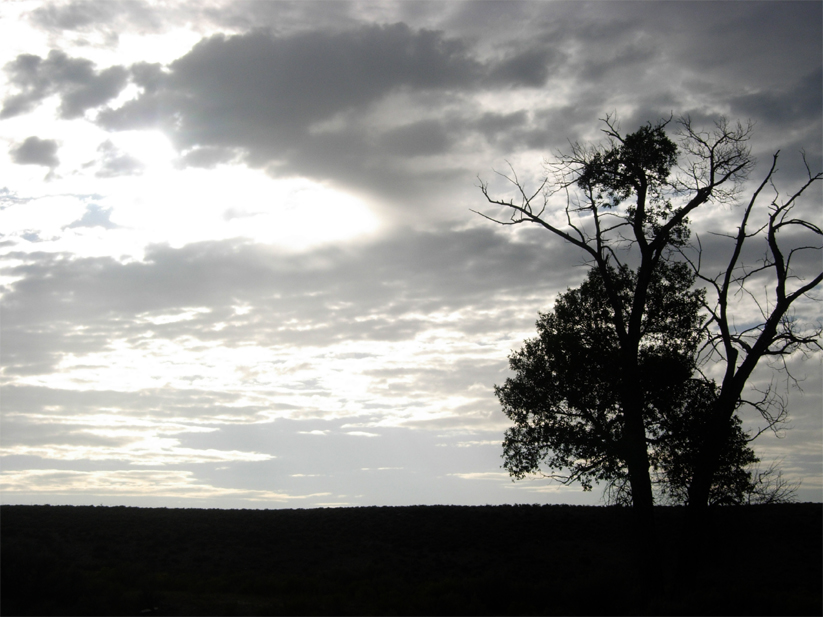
[239,264]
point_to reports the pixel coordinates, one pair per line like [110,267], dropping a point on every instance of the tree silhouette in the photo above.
[628,202]
[776,333]
[564,398]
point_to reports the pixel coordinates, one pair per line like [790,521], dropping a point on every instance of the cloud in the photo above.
[80,86]
[488,475]
[797,106]
[120,483]
[350,106]
[36,151]
[33,435]
[151,453]
[391,110]
[403,331]
[182,411]
[530,67]
[423,138]
[115,163]
[369,293]
[84,15]
[229,88]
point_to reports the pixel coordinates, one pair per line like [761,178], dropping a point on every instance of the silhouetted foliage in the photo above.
[565,401]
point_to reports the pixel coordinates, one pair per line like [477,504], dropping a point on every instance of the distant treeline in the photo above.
[443,560]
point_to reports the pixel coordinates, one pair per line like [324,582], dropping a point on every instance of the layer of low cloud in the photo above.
[343,294]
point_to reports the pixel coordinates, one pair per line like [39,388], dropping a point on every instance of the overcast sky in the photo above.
[239,266]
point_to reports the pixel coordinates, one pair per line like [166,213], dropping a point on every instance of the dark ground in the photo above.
[63,560]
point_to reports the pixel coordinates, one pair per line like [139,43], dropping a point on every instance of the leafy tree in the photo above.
[628,202]
[565,404]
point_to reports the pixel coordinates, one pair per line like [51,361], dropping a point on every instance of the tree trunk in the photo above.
[634,446]
[636,456]
[637,460]
[708,459]
[697,521]
[715,437]
[644,532]
[700,487]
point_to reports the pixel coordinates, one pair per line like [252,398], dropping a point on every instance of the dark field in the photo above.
[63,560]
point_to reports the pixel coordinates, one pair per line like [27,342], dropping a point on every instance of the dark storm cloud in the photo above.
[76,80]
[36,151]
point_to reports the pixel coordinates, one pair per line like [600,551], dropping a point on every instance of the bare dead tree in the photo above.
[770,487]
[776,334]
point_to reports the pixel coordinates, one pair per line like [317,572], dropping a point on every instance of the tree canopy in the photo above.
[564,398]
